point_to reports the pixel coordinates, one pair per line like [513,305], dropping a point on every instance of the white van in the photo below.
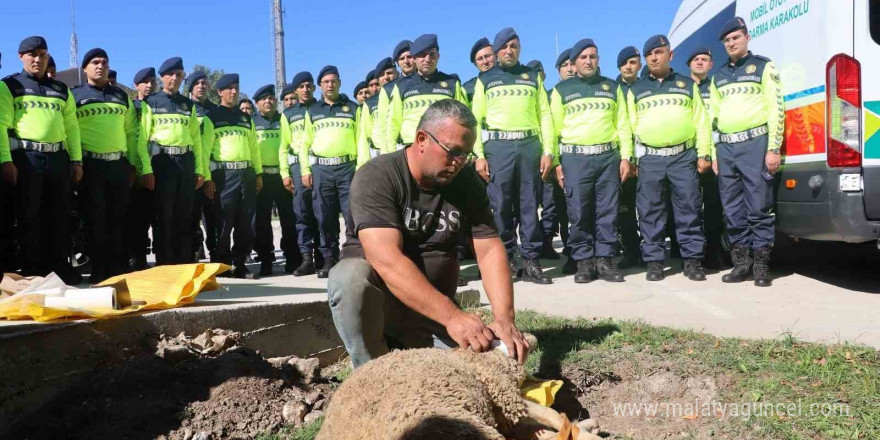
[825,50]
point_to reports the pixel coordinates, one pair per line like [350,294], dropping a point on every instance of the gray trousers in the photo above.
[370,320]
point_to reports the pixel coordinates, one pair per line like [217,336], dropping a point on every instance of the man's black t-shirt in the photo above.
[385,195]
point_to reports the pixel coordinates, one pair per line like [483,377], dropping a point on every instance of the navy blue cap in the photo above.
[226,81]
[581,46]
[288,89]
[262,92]
[385,64]
[502,37]
[371,75]
[51,63]
[193,78]
[243,100]
[401,47]
[536,65]
[424,43]
[327,70]
[32,43]
[173,63]
[111,74]
[625,54]
[144,75]
[360,86]
[93,53]
[655,42]
[700,50]
[478,46]
[300,78]
[562,58]
[734,24]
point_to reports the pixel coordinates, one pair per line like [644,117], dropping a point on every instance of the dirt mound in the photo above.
[207,387]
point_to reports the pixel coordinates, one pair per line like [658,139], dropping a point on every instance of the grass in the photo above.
[779,371]
[306,432]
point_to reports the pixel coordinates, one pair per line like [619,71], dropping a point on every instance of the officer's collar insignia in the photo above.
[444,84]
[680,84]
[345,108]
[524,76]
[606,87]
[751,68]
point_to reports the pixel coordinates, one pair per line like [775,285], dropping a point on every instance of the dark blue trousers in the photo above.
[274,194]
[592,191]
[174,199]
[7,229]
[106,197]
[514,191]
[236,194]
[554,210]
[746,192]
[628,225]
[306,224]
[331,185]
[137,221]
[675,177]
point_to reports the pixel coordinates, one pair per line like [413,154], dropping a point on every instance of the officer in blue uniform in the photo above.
[205,210]
[288,96]
[140,209]
[483,58]
[629,63]
[564,66]
[360,92]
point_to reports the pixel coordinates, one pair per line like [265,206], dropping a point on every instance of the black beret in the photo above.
[243,100]
[145,74]
[502,37]
[193,78]
[385,64]
[112,74]
[262,92]
[734,24]
[536,65]
[625,54]
[562,58]
[579,47]
[173,63]
[361,85]
[700,50]
[478,46]
[401,47]
[93,53]
[300,78]
[288,89]
[371,75]
[655,42]
[328,70]
[32,43]
[226,81]
[51,63]
[424,43]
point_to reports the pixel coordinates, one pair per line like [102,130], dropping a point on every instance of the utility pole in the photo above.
[278,43]
[73,44]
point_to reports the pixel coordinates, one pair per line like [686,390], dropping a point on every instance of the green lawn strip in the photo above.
[307,432]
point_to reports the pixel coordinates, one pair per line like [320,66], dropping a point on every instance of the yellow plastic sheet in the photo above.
[161,287]
[542,392]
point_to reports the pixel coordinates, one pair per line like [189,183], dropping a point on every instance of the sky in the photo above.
[236,35]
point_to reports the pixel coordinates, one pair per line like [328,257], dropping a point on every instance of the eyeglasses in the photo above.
[453,155]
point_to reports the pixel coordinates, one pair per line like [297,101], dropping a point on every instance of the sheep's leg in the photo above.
[543,415]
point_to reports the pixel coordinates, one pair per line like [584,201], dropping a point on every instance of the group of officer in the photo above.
[612,162]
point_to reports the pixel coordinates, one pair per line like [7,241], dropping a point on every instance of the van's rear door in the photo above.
[867,52]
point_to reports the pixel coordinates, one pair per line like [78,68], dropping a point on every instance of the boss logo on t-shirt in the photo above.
[423,221]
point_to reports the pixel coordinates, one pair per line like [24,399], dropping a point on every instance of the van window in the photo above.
[707,35]
[874,20]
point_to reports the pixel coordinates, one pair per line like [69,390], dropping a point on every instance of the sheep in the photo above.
[440,394]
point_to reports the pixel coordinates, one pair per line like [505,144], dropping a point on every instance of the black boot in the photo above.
[547,250]
[462,282]
[516,270]
[140,263]
[586,271]
[713,259]
[265,267]
[607,271]
[742,265]
[655,271]
[307,267]
[570,266]
[242,272]
[532,272]
[693,269]
[328,264]
[291,262]
[762,267]
[67,274]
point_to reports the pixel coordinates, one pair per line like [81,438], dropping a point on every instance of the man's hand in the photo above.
[307,180]
[482,166]
[259,183]
[625,170]
[209,189]
[76,172]
[199,181]
[715,167]
[506,331]
[469,332]
[10,173]
[148,181]
[703,165]
[288,185]
[560,177]
[546,166]
[772,160]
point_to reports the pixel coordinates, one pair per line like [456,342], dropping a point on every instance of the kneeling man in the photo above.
[395,284]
